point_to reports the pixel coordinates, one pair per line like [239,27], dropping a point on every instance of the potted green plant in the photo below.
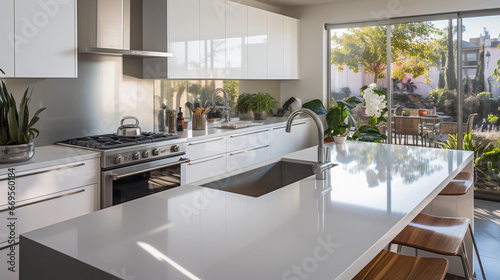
[16,128]
[244,106]
[261,104]
[336,118]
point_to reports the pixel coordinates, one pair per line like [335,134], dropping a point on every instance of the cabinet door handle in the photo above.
[46,171]
[204,141]
[281,127]
[205,160]
[246,151]
[294,124]
[248,133]
[43,200]
[10,245]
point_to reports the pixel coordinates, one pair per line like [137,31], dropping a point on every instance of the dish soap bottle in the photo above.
[180,120]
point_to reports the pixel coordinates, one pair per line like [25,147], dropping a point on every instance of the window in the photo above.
[172,94]
[424,71]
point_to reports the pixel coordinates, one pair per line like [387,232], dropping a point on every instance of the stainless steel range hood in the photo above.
[115,27]
[124,53]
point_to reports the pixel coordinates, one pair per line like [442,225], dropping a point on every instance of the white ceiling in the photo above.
[296,2]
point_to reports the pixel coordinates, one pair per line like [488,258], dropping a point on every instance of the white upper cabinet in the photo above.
[213,38]
[45,39]
[275,43]
[222,39]
[184,38]
[257,43]
[290,48]
[7,37]
[236,41]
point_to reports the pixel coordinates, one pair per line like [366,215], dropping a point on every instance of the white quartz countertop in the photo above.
[308,230]
[50,155]
[212,129]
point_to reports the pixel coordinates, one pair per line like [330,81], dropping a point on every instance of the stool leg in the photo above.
[465,263]
[477,252]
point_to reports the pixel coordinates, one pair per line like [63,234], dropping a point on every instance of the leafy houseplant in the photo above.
[337,114]
[261,104]
[16,127]
[244,105]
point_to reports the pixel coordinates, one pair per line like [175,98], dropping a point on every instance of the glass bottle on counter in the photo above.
[180,120]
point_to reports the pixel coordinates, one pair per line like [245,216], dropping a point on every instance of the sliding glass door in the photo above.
[440,83]
[480,58]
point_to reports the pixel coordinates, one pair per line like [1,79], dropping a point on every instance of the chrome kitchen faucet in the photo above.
[324,162]
[227,110]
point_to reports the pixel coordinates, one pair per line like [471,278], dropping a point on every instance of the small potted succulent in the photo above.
[244,106]
[261,104]
[16,127]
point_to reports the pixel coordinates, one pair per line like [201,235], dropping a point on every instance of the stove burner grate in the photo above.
[111,141]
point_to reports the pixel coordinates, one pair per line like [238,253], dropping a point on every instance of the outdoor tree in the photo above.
[496,72]
[478,85]
[451,77]
[414,49]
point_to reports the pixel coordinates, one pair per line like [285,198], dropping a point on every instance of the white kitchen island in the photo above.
[307,230]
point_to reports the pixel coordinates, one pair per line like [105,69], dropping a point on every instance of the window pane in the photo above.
[481,104]
[172,94]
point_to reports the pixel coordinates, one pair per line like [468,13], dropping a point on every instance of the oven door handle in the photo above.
[115,177]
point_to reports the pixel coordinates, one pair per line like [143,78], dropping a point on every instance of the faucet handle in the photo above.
[327,154]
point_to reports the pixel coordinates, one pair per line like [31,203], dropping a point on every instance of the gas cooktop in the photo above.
[112,141]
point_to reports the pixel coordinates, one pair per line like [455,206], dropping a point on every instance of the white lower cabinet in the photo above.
[280,142]
[205,168]
[244,158]
[300,135]
[206,148]
[45,196]
[248,140]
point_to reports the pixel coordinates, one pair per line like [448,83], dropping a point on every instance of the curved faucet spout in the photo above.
[323,161]
[227,110]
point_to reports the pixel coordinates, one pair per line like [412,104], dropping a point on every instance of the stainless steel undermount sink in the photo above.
[264,179]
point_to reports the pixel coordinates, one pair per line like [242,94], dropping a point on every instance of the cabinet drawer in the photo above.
[206,148]
[249,157]
[248,140]
[204,168]
[35,183]
[47,210]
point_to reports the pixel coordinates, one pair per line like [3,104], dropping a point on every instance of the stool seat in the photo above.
[464,176]
[434,234]
[460,185]
[389,265]
[456,188]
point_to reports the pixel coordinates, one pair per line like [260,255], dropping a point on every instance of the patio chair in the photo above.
[447,128]
[405,127]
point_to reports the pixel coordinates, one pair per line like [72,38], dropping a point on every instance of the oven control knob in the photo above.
[119,159]
[145,154]
[155,152]
[136,155]
[175,149]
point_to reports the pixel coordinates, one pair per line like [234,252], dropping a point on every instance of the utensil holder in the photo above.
[200,122]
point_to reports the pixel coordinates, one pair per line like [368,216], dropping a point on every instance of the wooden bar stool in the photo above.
[460,185]
[389,265]
[439,235]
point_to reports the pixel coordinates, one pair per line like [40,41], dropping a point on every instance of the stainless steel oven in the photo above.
[127,183]
[133,167]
